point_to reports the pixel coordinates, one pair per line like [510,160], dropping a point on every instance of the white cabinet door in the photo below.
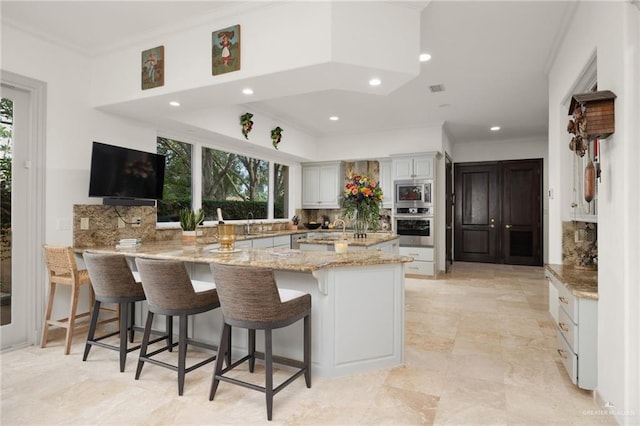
[423,167]
[403,168]
[321,185]
[414,167]
[330,185]
[386,183]
[310,186]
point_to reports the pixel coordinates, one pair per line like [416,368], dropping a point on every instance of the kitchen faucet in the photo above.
[344,225]
[249,219]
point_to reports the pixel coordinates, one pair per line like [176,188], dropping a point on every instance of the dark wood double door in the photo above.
[498,212]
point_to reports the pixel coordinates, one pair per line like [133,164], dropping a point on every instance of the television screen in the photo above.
[118,172]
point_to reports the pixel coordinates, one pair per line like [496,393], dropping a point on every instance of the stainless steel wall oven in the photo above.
[414,230]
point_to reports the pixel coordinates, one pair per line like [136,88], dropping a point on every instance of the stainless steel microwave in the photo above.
[413,193]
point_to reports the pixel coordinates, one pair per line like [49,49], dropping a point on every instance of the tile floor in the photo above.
[479,349]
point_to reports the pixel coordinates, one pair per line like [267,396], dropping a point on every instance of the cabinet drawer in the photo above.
[419,268]
[282,241]
[418,253]
[242,244]
[568,358]
[568,302]
[263,242]
[568,329]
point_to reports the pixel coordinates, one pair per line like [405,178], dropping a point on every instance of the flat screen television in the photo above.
[124,176]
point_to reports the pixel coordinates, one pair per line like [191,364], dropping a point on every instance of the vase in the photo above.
[360,225]
[189,237]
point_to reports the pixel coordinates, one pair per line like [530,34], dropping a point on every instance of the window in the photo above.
[237,184]
[280,191]
[177,179]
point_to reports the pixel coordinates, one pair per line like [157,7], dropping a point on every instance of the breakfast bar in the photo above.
[357,301]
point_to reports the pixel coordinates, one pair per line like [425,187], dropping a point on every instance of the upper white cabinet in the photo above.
[321,185]
[417,166]
[386,182]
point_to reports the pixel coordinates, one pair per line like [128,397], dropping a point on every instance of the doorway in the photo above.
[449,213]
[22,216]
[498,212]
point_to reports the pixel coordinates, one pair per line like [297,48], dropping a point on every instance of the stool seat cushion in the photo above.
[287,294]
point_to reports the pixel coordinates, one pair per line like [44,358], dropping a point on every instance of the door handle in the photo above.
[507,226]
[492,225]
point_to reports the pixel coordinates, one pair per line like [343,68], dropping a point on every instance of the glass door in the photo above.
[14,125]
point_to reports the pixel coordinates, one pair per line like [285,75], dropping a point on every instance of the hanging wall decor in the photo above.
[276,136]
[247,124]
[593,118]
[225,50]
[153,68]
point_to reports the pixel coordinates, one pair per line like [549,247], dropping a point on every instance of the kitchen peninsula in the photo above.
[357,301]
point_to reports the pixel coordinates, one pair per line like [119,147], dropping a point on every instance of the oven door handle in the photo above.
[414,217]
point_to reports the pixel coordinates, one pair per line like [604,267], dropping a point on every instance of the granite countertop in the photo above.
[582,283]
[331,237]
[275,258]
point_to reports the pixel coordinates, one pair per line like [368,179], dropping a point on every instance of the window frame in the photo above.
[196,176]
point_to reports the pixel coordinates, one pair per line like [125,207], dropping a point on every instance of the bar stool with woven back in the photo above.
[63,270]
[169,291]
[250,299]
[113,282]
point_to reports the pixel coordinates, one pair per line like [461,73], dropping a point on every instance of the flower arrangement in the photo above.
[362,195]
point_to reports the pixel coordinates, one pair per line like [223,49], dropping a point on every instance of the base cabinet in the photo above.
[422,264]
[576,321]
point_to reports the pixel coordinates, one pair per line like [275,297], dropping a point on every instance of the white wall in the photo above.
[613,34]
[71,125]
[380,144]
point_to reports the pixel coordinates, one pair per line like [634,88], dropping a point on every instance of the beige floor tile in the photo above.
[479,349]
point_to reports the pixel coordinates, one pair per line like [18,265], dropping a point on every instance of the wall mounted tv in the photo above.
[123,176]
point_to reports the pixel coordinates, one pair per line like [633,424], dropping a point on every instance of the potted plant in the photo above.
[189,221]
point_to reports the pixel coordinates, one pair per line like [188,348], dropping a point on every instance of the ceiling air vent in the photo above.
[437,88]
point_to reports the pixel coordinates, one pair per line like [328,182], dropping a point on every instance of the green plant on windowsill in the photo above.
[190,219]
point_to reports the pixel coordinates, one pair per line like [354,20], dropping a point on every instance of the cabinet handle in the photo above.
[563,326]
[413,254]
[563,300]
[561,353]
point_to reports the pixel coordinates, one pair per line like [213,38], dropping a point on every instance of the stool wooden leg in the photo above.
[268,364]
[124,313]
[252,350]
[182,352]
[72,318]
[169,329]
[47,315]
[144,344]
[223,348]
[132,320]
[92,329]
[307,350]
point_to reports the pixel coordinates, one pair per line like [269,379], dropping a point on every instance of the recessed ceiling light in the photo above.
[247,91]
[424,57]
[174,103]
[495,128]
[375,82]
[334,118]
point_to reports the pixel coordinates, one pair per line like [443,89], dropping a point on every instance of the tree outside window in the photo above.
[237,184]
[177,178]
